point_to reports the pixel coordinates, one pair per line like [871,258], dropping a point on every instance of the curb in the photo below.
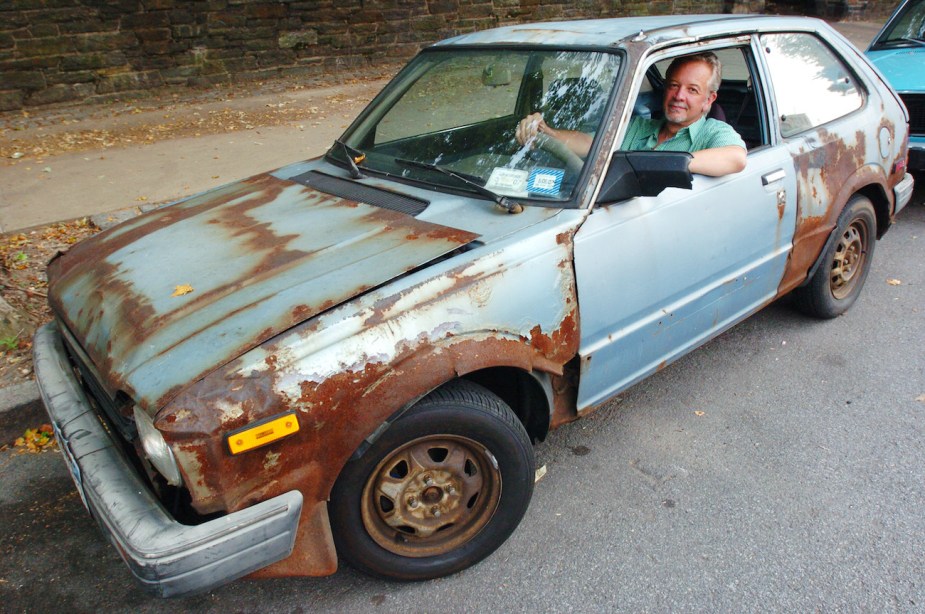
[20,408]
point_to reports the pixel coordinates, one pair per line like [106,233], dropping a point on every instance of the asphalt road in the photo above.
[778,468]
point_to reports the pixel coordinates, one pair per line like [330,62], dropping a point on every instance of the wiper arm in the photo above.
[903,40]
[502,201]
[354,157]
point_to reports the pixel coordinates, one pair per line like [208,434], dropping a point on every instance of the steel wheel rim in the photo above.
[431,496]
[848,261]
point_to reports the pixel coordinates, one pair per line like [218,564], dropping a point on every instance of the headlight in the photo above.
[156,448]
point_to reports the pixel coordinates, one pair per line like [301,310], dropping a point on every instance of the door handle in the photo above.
[773,176]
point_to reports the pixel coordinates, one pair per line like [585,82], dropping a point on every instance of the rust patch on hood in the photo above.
[262,255]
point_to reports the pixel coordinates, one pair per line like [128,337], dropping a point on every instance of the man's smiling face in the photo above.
[687,93]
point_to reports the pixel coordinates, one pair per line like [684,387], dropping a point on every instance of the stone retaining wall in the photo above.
[54,51]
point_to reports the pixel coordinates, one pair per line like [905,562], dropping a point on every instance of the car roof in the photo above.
[610,32]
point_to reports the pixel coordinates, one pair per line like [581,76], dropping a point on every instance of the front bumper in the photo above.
[170,559]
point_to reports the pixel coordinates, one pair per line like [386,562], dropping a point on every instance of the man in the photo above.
[691,83]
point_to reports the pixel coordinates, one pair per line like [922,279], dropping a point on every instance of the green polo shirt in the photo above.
[702,134]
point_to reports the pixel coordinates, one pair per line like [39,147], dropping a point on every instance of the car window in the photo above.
[450,120]
[811,84]
[734,65]
[443,99]
[737,102]
[907,28]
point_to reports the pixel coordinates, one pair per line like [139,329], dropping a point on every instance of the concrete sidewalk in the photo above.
[55,188]
[96,182]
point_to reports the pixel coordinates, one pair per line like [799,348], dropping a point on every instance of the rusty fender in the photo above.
[347,371]
[828,175]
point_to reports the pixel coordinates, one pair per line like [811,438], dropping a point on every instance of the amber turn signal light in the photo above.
[263,432]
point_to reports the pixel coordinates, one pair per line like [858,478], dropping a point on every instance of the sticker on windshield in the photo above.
[546,181]
[510,181]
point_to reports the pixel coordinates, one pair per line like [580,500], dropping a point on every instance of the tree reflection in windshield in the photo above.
[459,109]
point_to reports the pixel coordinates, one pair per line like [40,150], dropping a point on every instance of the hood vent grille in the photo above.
[351,190]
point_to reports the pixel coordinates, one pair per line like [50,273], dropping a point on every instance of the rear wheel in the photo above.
[438,491]
[840,277]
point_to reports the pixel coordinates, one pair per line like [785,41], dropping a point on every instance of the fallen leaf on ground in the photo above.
[700,413]
[181,290]
[894,282]
[37,440]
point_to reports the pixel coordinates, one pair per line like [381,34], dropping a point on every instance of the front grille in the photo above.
[118,410]
[351,190]
[916,105]
[117,416]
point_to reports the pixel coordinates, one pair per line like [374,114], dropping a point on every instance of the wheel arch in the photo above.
[814,234]
[869,180]
[378,522]
[529,394]
[878,197]
[874,193]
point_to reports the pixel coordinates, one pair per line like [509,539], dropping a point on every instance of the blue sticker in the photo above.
[545,181]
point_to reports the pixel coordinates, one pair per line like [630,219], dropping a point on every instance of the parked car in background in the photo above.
[898,51]
[350,357]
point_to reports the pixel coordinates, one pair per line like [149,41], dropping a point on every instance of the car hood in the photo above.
[899,66]
[160,301]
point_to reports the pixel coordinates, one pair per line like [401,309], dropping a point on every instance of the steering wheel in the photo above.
[573,162]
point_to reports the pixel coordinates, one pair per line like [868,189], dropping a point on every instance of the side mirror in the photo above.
[644,173]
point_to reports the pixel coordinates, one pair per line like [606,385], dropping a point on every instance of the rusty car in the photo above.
[350,358]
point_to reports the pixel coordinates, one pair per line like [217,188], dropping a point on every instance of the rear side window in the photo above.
[811,84]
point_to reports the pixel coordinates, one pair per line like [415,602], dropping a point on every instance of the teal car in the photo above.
[899,52]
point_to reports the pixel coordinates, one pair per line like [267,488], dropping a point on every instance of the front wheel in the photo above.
[438,491]
[838,280]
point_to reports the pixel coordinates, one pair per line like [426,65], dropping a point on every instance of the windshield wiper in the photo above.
[354,157]
[502,201]
[903,40]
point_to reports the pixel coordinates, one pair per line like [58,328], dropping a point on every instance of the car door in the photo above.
[658,276]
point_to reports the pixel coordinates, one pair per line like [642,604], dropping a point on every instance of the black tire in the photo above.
[438,491]
[838,280]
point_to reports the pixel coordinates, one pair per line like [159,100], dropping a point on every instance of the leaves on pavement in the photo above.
[37,440]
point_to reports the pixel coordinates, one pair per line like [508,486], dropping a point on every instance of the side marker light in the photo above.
[263,432]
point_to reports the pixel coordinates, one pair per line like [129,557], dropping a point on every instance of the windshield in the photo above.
[458,111]
[906,27]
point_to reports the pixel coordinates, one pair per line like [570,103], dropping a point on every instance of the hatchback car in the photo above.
[898,51]
[350,357]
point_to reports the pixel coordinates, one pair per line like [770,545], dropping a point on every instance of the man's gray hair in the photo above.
[709,58]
